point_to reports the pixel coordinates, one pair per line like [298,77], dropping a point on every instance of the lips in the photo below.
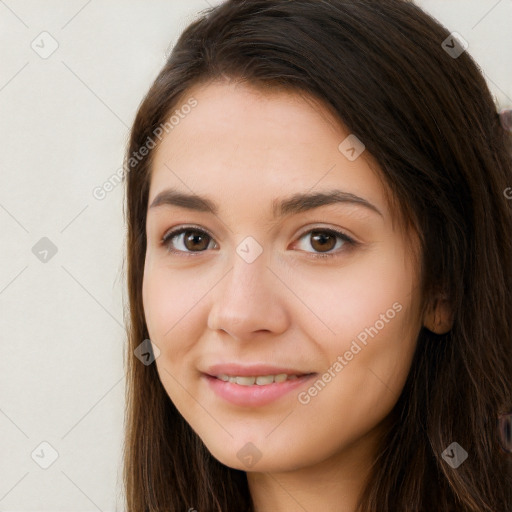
[256,384]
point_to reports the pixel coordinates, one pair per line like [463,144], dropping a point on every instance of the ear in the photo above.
[439,316]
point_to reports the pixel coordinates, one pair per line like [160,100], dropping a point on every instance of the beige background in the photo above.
[64,124]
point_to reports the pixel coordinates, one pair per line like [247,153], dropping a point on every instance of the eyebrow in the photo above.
[297,203]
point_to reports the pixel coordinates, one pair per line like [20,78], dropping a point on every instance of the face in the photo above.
[260,285]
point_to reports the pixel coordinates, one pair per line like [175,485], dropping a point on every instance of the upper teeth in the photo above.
[261,380]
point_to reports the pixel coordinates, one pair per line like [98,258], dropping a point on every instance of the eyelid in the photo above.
[180,228]
[336,231]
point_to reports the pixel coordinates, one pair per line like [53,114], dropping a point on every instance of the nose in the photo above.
[250,298]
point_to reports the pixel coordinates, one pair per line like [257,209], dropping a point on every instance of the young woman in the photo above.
[319,266]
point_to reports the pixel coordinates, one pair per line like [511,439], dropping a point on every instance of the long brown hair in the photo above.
[428,118]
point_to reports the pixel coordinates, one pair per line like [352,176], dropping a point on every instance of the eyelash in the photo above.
[349,242]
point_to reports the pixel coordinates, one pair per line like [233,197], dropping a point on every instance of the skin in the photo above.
[243,148]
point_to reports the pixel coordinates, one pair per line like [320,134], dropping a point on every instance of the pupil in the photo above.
[193,238]
[321,236]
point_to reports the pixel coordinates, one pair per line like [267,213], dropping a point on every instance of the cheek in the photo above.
[168,310]
[367,367]
[375,289]
[154,297]
[368,314]
[172,306]
[160,300]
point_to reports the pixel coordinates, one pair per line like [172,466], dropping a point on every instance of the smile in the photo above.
[259,380]
[255,391]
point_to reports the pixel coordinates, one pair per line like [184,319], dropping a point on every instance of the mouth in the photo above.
[255,390]
[258,380]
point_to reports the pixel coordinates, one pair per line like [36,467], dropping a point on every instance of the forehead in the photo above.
[240,141]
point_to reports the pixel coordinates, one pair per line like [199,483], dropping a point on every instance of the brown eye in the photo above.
[187,240]
[322,240]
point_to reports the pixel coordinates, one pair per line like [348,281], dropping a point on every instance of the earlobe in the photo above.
[439,317]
